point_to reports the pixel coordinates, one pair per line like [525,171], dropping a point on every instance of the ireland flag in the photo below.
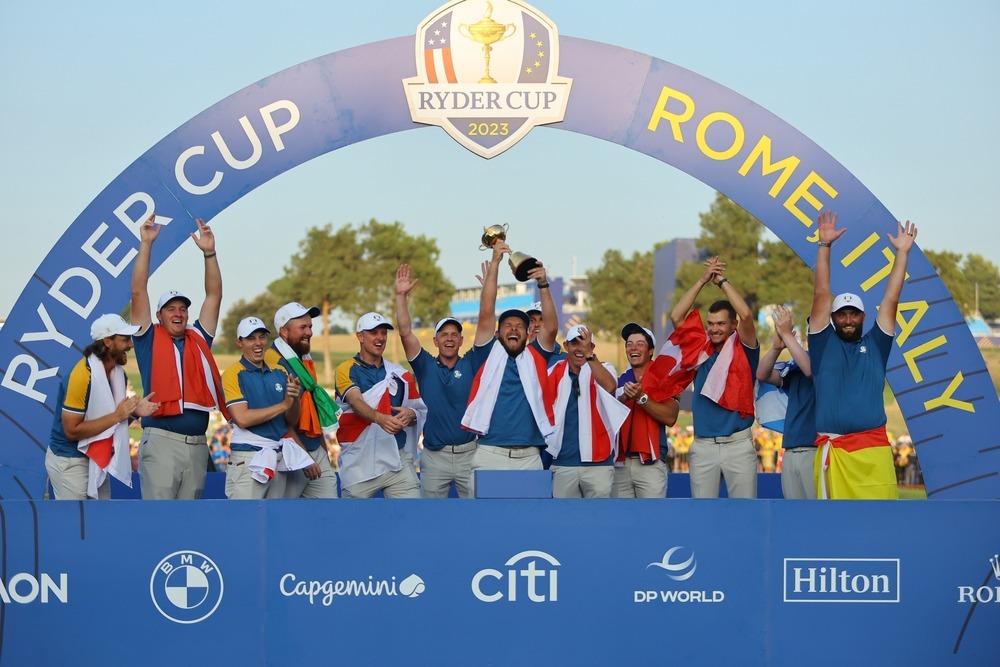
[319,411]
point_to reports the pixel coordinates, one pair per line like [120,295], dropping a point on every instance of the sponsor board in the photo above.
[25,588]
[983,593]
[841,580]
[530,575]
[325,591]
[680,565]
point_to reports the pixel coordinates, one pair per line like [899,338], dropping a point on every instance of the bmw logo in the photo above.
[186,587]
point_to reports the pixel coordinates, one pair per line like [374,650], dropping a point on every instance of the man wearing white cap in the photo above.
[587,420]
[176,363]
[318,414]
[848,365]
[264,403]
[507,406]
[534,320]
[444,383]
[89,436]
[640,471]
[383,415]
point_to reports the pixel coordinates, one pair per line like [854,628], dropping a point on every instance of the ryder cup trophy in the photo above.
[487,32]
[520,263]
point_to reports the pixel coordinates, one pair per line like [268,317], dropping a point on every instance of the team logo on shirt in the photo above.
[487,73]
[278,387]
[186,587]
[458,373]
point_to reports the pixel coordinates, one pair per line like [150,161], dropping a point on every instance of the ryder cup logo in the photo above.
[186,587]
[487,72]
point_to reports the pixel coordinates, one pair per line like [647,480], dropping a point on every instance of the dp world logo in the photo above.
[186,587]
[487,73]
[676,568]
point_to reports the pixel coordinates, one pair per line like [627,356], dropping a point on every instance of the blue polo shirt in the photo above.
[849,380]
[446,393]
[513,424]
[569,453]
[364,376]
[311,443]
[710,419]
[73,396]
[189,422]
[800,416]
[258,388]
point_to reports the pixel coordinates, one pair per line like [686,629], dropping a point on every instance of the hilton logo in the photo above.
[841,580]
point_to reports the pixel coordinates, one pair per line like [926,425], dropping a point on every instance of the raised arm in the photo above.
[783,324]
[141,311]
[819,317]
[404,283]
[713,270]
[486,326]
[902,242]
[746,328]
[205,240]
[550,319]
[765,369]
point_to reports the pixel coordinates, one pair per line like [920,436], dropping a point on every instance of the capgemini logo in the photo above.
[681,571]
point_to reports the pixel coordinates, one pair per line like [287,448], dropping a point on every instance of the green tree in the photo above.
[727,230]
[621,290]
[983,278]
[786,279]
[948,267]
[262,306]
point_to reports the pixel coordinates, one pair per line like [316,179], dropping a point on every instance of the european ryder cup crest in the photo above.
[487,72]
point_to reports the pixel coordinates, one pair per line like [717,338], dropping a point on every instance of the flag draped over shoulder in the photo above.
[730,382]
[771,402]
[319,412]
[677,361]
[108,450]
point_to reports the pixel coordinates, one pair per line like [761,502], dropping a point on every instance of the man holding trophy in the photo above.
[506,407]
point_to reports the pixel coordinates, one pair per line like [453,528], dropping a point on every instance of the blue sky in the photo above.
[904,94]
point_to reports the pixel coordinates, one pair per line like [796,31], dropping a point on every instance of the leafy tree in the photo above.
[727,230]
[621,290]
[262,306]
[981,274]
[786,279]
[948,267]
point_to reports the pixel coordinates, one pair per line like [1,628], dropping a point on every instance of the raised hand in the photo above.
[906,234]
[827,227]
[204,238]
[404,279]
[149,230]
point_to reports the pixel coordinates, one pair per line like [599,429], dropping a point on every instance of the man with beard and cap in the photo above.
[264,402]
[176,363]
[640,471]
[444,381]
[723,391]
[506,406]
[798,440]
[89,436]
[848,365]
[318,414]
[587,419]
[383,415]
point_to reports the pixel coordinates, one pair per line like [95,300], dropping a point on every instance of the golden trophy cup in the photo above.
[520,263]
[487,32]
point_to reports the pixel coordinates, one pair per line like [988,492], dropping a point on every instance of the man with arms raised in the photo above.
[176,364]
[723,392]
[506,407]
[640,472]
[444,383]
[855,458]
[587,419]
[90,431]
[383,416]
[318,413]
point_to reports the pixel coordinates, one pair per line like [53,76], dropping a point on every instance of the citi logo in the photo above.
[841,579]
[25,588]
[522,577]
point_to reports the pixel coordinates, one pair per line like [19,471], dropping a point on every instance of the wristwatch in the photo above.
[642,399]
[592,357]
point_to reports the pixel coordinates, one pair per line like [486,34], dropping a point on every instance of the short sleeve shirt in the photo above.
[445,392]
[711,419]
[258,388]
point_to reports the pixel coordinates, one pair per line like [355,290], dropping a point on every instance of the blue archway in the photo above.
[628,98]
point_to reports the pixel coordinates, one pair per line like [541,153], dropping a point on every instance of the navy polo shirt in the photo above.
[710,419]
[445,392]
[800,417]
[569,453]
[258,388]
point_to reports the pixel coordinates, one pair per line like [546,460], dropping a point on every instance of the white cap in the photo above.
[292,310]
[575,332]
[167,297]
[248,325]
[634,328]
[445,320]
[847,300]
[536,307]
[109,325]
[370,321]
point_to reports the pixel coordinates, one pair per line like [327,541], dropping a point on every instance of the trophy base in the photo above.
[522,268]
[487,79]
